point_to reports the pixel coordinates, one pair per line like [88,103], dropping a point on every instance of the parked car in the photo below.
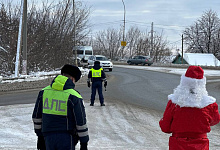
[143,60]
[104,62]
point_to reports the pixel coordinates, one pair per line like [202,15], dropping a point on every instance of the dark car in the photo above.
[143,60]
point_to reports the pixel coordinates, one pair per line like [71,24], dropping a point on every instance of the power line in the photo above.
[147,25]
[107,23]
[171,25]
[156,24]
[175,42]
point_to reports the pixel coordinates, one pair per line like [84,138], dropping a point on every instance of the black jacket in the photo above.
[94,79]
[52,99]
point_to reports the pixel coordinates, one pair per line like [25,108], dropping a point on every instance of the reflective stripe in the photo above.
[72,141]
[81,127]
[82,134]
[37,120]
[36,126]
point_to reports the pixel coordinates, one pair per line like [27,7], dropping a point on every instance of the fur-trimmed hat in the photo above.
[97,63]
[195,72]
[72,71]
[192,89]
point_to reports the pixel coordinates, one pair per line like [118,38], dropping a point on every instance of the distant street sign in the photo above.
[123,43]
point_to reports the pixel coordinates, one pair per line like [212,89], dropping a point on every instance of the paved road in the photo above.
[148,88]
[141,87]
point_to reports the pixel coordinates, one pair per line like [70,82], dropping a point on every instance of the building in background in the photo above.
[201,59]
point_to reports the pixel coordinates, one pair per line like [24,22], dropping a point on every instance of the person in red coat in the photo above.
[190,112]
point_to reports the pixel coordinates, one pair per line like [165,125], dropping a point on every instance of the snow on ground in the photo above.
[180,71]
[117,126]
[36,76]
[114,127]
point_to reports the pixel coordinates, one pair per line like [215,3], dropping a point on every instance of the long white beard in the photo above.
[191,93]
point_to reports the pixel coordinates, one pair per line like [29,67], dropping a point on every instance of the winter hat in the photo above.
[72,71]
[192,89]
[97,63]
[193,78]
[195,72]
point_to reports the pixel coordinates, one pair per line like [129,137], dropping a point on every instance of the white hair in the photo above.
[191,93]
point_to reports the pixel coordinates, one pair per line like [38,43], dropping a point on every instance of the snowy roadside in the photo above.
[117,126]
[34,80]
[180,71]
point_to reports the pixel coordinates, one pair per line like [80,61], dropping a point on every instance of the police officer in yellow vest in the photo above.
[97,76]
[59,115]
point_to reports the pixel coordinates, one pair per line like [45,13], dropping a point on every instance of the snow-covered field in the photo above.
[117,126]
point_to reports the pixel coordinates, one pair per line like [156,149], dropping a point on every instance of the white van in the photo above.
[83,52]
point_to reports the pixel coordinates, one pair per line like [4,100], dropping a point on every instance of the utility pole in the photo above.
[74,32]
[24,62]
[182,50]
[124,22]
[123,43]
[17,63]
[152,38]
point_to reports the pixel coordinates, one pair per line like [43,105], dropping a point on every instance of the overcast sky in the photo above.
[169,16]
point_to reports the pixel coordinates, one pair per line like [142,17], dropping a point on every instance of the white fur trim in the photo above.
[191,93]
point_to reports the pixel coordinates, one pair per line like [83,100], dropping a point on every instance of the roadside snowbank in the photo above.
[37,76]
[180,71]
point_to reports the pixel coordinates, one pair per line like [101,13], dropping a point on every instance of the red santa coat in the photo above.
[188,116]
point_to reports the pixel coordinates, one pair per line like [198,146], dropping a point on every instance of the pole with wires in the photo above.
[124,22]
[182,50]
[123,42]
[74,32]
[24,62]
[17,63]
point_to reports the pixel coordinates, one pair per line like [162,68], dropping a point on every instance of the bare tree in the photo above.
[107,42]
[9,21]
[161,49]
[139,44]
[203,36]
[55,33]
[132,38]
[50,33]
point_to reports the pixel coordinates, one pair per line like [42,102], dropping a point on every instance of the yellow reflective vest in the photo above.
[96,73]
